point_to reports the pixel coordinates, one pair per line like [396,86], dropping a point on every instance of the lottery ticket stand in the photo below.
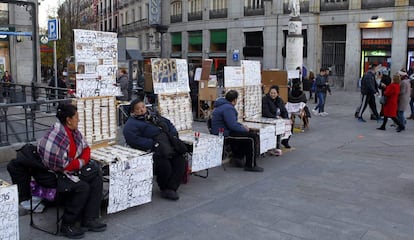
[246,80]
[170,82]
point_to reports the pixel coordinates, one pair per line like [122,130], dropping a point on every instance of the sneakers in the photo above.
[381,128]
[360,119]
[36,201]
[93,226]
[71,231]
[399,129]
[253,169]
[170,194]
[323,114]
[315,112]
[275,152]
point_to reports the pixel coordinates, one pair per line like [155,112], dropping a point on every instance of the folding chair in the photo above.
[298,110]
[47,194]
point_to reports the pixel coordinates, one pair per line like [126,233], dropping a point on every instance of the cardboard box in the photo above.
[206,93]
[276,77]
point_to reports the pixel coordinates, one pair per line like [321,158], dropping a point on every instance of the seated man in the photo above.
[147,131]
[243,142]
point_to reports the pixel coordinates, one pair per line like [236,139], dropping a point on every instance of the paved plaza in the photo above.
[343,180]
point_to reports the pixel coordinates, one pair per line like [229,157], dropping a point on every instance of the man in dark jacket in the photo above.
[243,142]
[145,131]
[369,88]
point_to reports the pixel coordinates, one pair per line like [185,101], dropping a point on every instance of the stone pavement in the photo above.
[344,180]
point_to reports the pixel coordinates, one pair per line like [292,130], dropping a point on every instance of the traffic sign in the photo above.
[44,39]
[236,55]
[53,29]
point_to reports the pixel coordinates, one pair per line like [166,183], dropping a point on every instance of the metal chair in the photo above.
[47,194]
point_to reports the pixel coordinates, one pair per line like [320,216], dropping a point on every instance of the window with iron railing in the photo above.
[176,12]
[334,5]
[218,9]
[253,7]
[195,10]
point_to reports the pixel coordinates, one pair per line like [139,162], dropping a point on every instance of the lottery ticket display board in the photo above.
[130,176]
[170,80]
[96,63]
[97,118]
[9,211]
[170,75]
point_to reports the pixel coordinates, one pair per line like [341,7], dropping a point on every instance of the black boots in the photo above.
[285,143]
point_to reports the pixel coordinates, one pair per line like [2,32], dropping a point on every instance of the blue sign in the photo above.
[53,29]
[236,56]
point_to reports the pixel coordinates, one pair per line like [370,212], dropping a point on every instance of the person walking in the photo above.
[404,97]
[125,85]
[321,89]
[6,81]
[391,104]
[369,89]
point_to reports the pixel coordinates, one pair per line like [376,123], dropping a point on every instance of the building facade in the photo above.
[16,51]
[344,35]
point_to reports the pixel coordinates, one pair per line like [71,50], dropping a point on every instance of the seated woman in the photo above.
[147,131]
[274,107]
[64,150]
[298,96]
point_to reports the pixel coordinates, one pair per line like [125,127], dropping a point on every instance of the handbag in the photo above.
[90,171]
[383,99]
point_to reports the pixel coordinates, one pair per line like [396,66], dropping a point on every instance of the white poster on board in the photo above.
[130,183]
[233,77]
[96,63]
[170,75]
[251,72]
[9,212]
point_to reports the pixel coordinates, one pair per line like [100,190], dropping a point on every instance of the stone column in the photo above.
[294,44]
[352,56]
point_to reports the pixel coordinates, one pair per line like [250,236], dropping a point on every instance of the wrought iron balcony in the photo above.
[249,11]
[135,26]
[176,18]
[334,6]
[194,16]
[218,13]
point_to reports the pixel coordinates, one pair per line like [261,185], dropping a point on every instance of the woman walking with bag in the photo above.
[391,103]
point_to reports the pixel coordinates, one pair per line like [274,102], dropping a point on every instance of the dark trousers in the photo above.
[22,169]
[395,119]
[245,144]
[169,171]
[81,200]
[368,99]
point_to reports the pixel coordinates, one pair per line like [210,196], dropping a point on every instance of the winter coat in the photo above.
[391,105]
[125,88]
[141,134]
[270,107]
[369,84]
[404,96]
[224,116]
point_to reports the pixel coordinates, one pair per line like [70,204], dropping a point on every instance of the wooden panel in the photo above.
[206,93]
[277,77]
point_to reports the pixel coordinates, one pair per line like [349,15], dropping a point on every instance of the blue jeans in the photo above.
[321,102]
[401,117]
